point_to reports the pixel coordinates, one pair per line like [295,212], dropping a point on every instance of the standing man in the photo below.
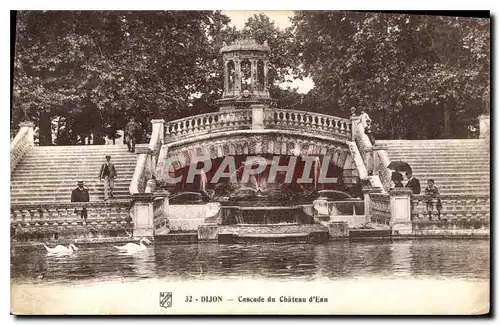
[81,194]
[132,130]
[108,172]
[413,183]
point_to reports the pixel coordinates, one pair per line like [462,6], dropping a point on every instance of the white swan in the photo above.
[131,247]
[60,249]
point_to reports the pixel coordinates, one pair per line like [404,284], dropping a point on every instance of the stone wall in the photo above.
[188,217]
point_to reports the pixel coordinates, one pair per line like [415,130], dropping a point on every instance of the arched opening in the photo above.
[246,75]
[230,75]
[260,75]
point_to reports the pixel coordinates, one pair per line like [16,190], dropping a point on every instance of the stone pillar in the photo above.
[369,161]
[157,131]
[226,79]
[253,75]
[400,207]
[265,75]
[321,211]
[30,134]
[257,116]
[367,200]
[376,156]
[354,122]
[143,215]
[237,77]
[484,126]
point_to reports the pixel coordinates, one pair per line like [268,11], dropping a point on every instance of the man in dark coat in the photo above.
[132,131]
[108,172]
[413,183]
[81,194]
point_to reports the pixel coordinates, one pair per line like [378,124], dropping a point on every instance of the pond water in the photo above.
[453,259]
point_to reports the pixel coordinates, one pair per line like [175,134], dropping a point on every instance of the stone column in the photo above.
[400,207]
[265,75]
[367,190]
[30,134]
[376,148]
[226,79]
[237,77]
[257,116]
[253,75]
[484,126]
[143,215]
[159,133]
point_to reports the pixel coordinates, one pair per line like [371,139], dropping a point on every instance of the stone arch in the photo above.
[273,144]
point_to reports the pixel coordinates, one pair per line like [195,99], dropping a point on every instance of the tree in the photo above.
[95,69]
[430,70]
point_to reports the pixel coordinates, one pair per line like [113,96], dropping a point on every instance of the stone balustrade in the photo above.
[241,119]
[20,144]
[380,162]
[380,209]
[64,218]
[454,207]
[160,222]
[207,123]
[315,123]
[362,141]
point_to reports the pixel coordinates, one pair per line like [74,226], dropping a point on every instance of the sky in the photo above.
[281,19]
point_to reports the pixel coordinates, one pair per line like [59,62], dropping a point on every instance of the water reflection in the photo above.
[343,259]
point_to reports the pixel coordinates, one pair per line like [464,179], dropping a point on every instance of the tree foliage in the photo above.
[419,76]
[77,72]
[95,69]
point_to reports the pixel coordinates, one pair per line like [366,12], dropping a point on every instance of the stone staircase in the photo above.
[49,174]
[459,167]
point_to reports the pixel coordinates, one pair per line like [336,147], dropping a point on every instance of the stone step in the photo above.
[446,168]
[440,157]
[77,158]
[93,173]
[433,141]
[47,199]
[93,148]
[65,190]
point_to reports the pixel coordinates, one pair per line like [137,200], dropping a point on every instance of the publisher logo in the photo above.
[165,299]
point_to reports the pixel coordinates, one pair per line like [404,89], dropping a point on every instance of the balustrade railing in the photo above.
[56,215]
[453,207]
[308,122]
[207,123]
[273,118]
[380,163]
[20,144]
[380,209]
[160,216]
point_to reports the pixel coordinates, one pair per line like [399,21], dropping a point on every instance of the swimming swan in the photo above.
[131,247]
[60,249]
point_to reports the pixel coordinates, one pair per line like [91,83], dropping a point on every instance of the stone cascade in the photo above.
[49,174]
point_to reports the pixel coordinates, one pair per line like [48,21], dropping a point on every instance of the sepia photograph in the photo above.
[250,162]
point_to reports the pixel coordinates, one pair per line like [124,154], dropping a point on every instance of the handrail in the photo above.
[207,123]
[310,121]
[20,144]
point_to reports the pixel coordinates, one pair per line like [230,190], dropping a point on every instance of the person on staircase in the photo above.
[433,199]
[108,172]
[80,194]
[413,184]
[132,130]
